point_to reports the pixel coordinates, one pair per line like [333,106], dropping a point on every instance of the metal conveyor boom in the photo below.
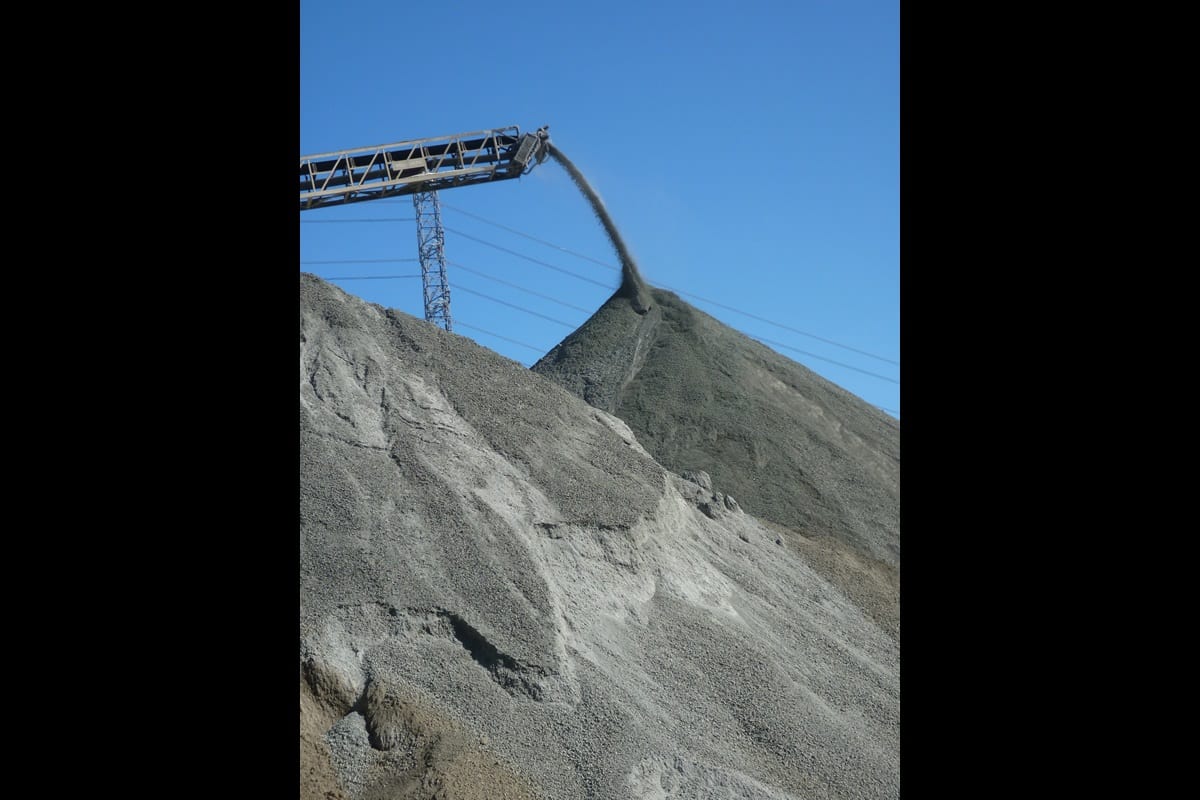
[420,165]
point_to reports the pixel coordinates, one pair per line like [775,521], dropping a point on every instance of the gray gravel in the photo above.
[476,537]
[792,447]
[350,751]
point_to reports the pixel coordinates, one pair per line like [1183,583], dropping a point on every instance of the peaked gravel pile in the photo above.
[793,448]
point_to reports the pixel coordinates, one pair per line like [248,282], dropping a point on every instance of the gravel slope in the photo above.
[793,448]
[504,595]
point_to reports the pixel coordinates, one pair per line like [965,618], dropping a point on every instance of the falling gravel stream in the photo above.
[632,284]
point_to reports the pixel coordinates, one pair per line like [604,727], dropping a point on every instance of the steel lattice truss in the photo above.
[431,247]
[421,165]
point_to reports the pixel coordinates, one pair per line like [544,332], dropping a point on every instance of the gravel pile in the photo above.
[794,448]
[504,594]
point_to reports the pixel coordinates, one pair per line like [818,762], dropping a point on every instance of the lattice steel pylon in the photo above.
[431,248]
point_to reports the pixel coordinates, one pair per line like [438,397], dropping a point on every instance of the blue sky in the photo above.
[749,154]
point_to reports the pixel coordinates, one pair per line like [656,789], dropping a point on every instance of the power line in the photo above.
[669,288]
[598,283]
[460,288]
[780,325]
[534,238]
[336,221]
[822,358]
[364,261]
[528,258]
[457,265]
[460,324]
[617,269]
[369,277]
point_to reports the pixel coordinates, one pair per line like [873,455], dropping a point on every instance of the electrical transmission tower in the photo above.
[431,247]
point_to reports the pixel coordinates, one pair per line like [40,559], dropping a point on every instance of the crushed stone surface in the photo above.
[505,594]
